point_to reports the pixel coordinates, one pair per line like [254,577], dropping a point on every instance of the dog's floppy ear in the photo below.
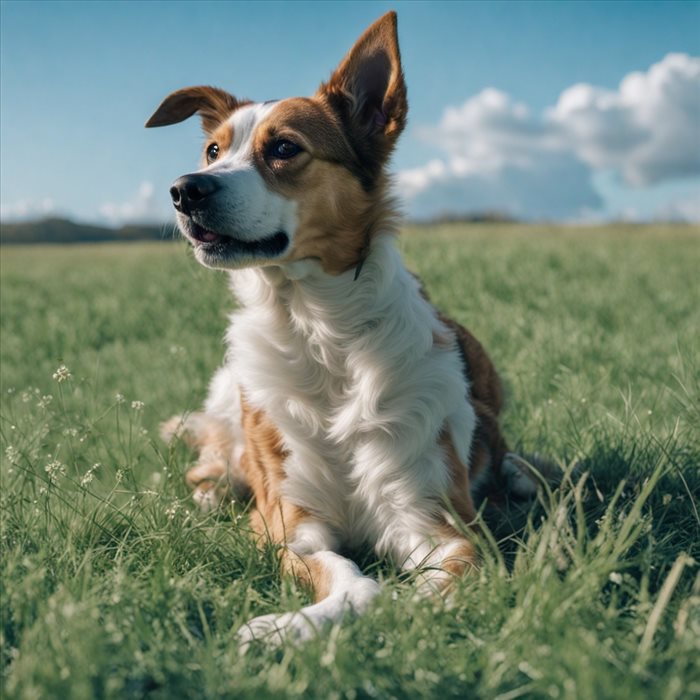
[368,91]
[213,105]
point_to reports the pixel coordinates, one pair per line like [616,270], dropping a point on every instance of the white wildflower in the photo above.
[89,475]
[12,454]
[119,398]
[172,510]
[119,475]
[55,470]
[616,577]
[137,405]
[62,374]
[45,400]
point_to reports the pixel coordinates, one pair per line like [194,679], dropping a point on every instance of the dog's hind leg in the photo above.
[217,435]
[215,476]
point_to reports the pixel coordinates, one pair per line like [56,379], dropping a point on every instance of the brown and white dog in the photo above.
[354,412]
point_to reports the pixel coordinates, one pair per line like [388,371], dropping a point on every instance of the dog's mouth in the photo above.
[219,245]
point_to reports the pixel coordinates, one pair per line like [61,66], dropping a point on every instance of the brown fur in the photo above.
[212,440]
[274,517]
[486,393]
[222,136]
[213,105]
[368,92]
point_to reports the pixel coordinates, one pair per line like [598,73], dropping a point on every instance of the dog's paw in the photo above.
[171,429]
[519,480]
[273,630]
[207,497]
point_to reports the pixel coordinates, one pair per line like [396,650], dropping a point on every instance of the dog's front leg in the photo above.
[339,588]
[439,559]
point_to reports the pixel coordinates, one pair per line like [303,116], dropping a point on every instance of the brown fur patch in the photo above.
[462,560]
[310,571]
[459,493]
[486,393]
[263,465]
[337,216]
[213,105]
[222,136]
[274,516]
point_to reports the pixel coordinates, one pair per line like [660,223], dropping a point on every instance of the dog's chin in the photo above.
[227,252]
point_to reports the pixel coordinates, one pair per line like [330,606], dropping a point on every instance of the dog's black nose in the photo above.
[189,191]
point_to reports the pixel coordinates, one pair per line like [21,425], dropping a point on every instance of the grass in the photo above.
[112,586]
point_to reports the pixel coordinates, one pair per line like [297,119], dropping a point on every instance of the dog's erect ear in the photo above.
[368,90]
[213,105]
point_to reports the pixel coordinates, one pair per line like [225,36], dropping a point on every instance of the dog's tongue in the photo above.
[204,236]
[208,236]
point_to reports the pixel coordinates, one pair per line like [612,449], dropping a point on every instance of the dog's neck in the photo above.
[345,305]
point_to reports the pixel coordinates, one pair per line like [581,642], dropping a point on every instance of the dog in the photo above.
[354,412]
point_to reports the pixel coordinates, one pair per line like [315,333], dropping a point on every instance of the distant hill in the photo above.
[65,231]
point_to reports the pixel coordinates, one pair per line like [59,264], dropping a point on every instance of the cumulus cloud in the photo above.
[143,208]
[501,156]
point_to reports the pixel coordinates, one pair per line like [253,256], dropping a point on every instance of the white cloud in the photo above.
[648,129]
[145,207]
[500,156]
[25,209]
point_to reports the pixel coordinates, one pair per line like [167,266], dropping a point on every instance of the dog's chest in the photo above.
[307,387]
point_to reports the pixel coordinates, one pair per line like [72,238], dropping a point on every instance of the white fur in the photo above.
[249,211]
[348,372]
[350,592]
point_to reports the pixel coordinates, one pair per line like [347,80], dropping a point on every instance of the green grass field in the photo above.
[113,586]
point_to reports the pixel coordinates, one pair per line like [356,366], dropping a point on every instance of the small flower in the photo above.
[45,400]
[616,577]
[119,477]
[137,405]
[55,470]
[12,454]
[89,475]
[119,398]
[172,510]
[62,374]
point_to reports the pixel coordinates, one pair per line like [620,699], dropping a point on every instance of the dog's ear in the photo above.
[214,105]
[368,92]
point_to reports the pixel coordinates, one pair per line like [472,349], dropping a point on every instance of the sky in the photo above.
[574,111]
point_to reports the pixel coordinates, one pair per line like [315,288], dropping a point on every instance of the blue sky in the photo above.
[499,118]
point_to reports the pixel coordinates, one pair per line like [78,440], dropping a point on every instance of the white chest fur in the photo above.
[349,373]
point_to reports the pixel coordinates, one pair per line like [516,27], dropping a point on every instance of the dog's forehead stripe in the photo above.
[244,122]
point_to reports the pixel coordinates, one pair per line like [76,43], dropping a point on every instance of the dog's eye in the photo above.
[284,149]
[212,153]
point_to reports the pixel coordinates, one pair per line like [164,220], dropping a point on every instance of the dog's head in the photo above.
[296,178]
